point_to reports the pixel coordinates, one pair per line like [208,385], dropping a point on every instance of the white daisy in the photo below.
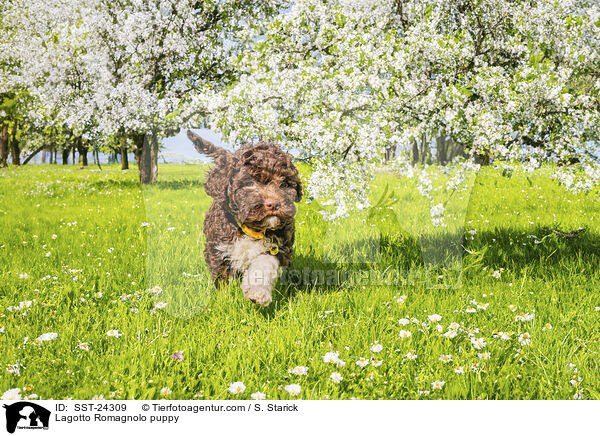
[446,358]
[47,337]
[450,334]
[362,362]
[410,355]
[525,317]
[114,333]
[293,389]
[525,339]
[438,384]
[299,370]
[333,357]
[478,343]
[336,377]
[12,395]
[236,388]
[376,348]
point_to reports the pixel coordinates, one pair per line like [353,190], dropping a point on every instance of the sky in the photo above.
[179,147]
[176,149]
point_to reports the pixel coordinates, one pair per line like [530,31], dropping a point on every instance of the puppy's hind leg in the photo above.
[259,279]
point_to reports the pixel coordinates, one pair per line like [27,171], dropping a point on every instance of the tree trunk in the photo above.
[415,150]
[451,149]
[65,155]
[3,145]
[33,154]
[148,164]
[138,140]
[83,159]
[425,153]
[97,157]
[15,150]
[74,156]
[124,158]
[389,153]
[442,149]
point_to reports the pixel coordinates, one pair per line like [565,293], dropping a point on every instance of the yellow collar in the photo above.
[252,233]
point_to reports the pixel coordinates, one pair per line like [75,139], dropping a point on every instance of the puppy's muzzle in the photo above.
[273,222]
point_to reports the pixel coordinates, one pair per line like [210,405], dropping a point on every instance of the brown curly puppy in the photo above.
[250,226]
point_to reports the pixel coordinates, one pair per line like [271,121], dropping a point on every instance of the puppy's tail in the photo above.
[206,147]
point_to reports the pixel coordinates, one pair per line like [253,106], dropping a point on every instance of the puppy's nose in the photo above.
[271,205]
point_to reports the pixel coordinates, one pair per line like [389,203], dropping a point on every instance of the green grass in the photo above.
[95,274]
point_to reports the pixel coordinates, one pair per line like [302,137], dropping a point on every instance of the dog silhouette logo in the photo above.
[26,415]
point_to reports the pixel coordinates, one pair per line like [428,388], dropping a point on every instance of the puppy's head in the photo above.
[259,184]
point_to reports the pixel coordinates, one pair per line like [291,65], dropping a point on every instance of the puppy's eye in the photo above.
[248,183]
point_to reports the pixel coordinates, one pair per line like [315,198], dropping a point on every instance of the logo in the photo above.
[26,415]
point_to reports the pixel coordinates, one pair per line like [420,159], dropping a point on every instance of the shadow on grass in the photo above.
[116,183]
[310,273]
[171,185]
[539,254]
[179,184]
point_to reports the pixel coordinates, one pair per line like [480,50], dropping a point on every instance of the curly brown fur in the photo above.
[256,186]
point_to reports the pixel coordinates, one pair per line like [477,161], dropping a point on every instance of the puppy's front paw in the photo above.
[258,295]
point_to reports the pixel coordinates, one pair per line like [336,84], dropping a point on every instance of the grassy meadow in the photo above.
[103,282]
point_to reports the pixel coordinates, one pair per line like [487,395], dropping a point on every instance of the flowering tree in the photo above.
[14,99]
[130,68]
[48,44]
[345,82]
[155,58]
[5,69]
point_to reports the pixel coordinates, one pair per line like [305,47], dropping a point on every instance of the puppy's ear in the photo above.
[218,178]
